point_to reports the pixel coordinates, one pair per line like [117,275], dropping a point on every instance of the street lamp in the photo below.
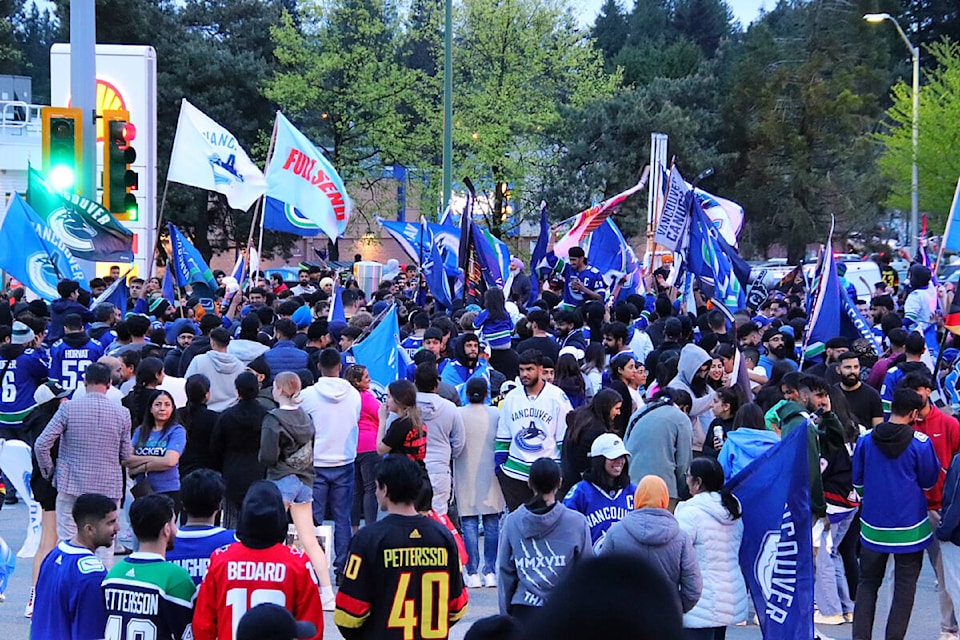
[875,18]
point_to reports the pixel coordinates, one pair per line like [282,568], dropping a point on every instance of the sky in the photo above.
[745,11]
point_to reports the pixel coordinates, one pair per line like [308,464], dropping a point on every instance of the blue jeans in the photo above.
[830,585]
[365,487]
[334,485]
[491,535]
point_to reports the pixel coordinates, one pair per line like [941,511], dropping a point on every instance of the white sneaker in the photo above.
[819,618]
[28,610]
[490,580]
[947,635]
[472,581]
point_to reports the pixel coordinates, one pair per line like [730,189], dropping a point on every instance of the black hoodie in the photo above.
[263,520]
[892,439]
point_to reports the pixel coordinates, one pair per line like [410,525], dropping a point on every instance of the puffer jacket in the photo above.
[654,536]
[716,540]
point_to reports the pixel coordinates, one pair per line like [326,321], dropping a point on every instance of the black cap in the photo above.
[272,622]
[839,342]
[209,322]
[672,327]
[263,520]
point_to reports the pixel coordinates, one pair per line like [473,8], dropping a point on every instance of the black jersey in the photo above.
[401,581]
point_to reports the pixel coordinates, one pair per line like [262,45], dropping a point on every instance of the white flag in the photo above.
[207,156]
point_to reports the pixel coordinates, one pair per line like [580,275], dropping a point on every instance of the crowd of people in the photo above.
[535,436]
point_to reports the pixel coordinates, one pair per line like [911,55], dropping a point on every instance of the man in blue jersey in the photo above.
[73,353]
[201,493]
[23,368]
[69,604]
[581,281]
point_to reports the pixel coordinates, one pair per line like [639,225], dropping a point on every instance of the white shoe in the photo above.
[472,581]
[819,618]
[28,610]
[947,635]
[490,580]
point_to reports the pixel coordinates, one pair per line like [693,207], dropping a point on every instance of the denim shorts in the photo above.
[293,490]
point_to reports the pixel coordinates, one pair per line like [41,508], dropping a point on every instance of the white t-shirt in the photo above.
[113,394]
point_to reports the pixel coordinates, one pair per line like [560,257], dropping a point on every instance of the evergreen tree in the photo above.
[610,30]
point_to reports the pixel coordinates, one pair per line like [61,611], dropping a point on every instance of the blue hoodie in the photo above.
[743,446]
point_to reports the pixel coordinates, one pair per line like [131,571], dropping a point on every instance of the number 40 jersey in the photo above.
[401,582]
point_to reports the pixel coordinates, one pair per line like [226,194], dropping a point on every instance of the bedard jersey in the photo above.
[240,578]
[530,429]
[148,597]
[194,546]
[401,582]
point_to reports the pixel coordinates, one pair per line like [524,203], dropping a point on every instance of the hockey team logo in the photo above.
[73,230]
[224,171]
[43,275]
[530,439]
[776,568]
[297,219]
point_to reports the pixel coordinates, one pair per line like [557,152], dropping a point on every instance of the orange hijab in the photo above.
[651,492]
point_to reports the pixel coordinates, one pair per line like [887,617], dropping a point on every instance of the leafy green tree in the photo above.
[939,137]
[611,29]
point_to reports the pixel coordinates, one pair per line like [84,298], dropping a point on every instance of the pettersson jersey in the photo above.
[68,360]
[194,546]
[401,582]
[148,597]
[239,578]
[69,604]
[530,429]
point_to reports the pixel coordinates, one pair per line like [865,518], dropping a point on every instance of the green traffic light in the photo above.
[62,177]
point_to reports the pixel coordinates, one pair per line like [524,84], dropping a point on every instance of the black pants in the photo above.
[515,492]
[707,633]
[364,488]
[905,573]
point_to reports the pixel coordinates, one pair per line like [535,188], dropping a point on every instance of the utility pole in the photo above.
[83,89]
[447,104]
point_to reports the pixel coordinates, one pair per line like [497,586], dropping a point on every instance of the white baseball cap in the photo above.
[608,445]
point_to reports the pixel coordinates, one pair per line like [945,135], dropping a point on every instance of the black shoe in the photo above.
[338,578]
[11,498]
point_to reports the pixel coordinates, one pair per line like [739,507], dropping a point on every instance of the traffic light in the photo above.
[119,180]
[62,139]
[506,208]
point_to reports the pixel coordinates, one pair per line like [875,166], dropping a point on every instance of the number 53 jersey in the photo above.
[401,582]
[239,578]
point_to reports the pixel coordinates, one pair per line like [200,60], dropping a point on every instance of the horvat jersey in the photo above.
[240,578]
[401,582]
[69,604]
[148,597]
[70,356]
[194,546]
[530,428]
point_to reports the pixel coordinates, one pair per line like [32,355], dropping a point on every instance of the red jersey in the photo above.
[240,578]
[944,434]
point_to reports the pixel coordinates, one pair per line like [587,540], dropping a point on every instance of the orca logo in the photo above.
[43,277]
[224,172]
[530,439]
[73,230]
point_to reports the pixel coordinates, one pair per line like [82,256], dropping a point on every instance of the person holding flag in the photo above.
[581,281]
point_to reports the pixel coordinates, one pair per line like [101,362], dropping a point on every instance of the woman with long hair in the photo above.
[365,466]
[711,519]
[157,445]
[594,362]
[584,425]
[623,369]
[236,442]
[567,376]
[286,449]
[715,376]
[747,440]
[605,495]
[496,328]
[405,433]
[148,377]
[198,421]
[725,407]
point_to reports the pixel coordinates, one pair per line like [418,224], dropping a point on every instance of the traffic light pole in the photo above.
[83,88]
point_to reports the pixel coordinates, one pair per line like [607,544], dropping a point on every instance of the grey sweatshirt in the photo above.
[692,358]
[659,441]
[445,436]
[536,549]
[286,445]
[654,536]
[222,369]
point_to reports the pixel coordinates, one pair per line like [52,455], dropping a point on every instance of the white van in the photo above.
[863,275]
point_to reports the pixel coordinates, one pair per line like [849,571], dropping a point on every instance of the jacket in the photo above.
[654,536]
[247,350]
[59,309]
[716,540]
[659,441]
[944,433]
[236,442]
[742,447]
[222,369]
[790,416]
[537,546]
[692,358]
[949,529]
[286,445]
[334,407]
[477,489]
[445,436]
[285,356]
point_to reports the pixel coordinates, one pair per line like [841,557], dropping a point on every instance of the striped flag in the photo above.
[590,220]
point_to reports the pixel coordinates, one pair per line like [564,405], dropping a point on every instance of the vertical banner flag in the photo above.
[951,234]
[725,214]
[169,290]
[88,230]
[187,262]
[591,219]
[32,253]
[823,306]
[776,553]
[207,156]
[409,235]
[380,351]
[336,312]
[436,277]
[300,176]
[722,273]
[672,223]
[539,255]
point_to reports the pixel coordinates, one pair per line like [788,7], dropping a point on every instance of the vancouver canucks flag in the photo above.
[32,253]
[186,263]
[84,226]
[305,195]
[380,351]
[776,553]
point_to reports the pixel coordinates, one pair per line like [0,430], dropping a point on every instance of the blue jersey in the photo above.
[590,277]
[412,344]
[70,357]
[19,378]
[68,604]
[194,546]
[602,509]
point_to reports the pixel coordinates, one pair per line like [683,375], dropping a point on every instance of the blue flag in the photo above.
[776,553]
[493,256]
[722,273]
[280,216]
[116,294]
[32,253]
[608,251]
[380,353]
[169,284]
[336,313]
[436,277]
[187,262]
[823,305]
[409,235]
[239,272]
[539,255]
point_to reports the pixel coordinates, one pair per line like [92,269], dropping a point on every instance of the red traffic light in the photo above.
[129,132]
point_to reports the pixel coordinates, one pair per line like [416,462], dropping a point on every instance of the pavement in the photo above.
[924,623]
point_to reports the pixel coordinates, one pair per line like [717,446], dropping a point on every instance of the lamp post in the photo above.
[447,104]
[915,178]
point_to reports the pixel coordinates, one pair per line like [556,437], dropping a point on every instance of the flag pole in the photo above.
[259,212]
[946,231]
[156,242]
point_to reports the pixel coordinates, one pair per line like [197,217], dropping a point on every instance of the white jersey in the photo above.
[530,429]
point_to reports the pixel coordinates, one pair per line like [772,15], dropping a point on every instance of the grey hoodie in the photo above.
[536,548]
[445,435]
[246,350]
[222,369]
[692,358]
[286,445]
[654,536]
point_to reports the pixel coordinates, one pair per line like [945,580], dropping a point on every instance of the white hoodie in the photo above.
[334,406]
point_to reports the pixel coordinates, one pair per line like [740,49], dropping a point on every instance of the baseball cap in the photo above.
[272,622]
[608,445]
[48,391]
